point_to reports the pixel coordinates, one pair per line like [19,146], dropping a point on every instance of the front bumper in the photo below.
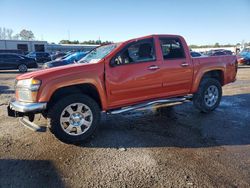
[17,109]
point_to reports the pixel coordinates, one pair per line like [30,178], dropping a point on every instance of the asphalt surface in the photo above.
[174,147]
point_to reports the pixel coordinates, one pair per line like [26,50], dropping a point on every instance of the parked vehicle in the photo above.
[244,57]
[243,60]
[216,53]
[10,61]
[73,58]
[195,54]
[118,78]
[40,57]
[219,52]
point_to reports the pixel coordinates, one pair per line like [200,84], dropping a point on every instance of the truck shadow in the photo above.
[179,126]
[28,173]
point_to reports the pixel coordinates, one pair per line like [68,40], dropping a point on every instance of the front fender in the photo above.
[47,90]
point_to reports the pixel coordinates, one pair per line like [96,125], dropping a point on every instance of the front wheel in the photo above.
[22,68]
[74,118]
[208,96]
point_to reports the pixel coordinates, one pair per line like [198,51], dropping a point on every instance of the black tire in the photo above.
[199,100]
[22,68]
[54,114]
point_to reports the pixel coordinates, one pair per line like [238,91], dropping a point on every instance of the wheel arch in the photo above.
[85,88]
[217,74]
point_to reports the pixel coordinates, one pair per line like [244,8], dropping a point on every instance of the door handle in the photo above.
[184,64]
[153,67]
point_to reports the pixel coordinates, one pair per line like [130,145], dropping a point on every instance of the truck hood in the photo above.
[60,71]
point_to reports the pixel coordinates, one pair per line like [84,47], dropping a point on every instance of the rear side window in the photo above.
[141,51]
[172,48]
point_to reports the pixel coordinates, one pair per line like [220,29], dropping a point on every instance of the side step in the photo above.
[151,103]
[32,126]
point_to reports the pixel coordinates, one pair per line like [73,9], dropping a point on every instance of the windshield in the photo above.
[98,53]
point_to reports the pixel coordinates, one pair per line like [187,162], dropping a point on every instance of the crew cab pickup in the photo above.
[118,78]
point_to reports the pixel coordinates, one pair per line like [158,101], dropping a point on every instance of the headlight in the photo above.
[26,90]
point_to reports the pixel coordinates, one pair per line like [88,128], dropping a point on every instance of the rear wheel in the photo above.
[22,68]
[208,96]
[74,118]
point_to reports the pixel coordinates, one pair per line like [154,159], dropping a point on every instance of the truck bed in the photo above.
[226,63]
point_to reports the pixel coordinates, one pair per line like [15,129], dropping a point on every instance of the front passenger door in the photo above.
[134,74]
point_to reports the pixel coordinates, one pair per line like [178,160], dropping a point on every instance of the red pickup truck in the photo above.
[118,78]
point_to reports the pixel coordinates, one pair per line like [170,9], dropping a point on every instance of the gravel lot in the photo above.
[178,147]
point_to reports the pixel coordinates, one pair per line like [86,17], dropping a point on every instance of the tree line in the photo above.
[97,42]
[8,34]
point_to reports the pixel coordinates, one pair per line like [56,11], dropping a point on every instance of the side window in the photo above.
[141,51]
[172,48]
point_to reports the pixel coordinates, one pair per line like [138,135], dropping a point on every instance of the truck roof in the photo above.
[153,35]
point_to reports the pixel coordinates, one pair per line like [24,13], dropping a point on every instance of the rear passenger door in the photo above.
[177,68]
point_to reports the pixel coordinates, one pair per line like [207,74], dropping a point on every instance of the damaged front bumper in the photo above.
[19,109]
[27,113]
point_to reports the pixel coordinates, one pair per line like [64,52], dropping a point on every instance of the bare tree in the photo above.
[16,37]
[3,34]
[26,35]
[9,33]
[6,33]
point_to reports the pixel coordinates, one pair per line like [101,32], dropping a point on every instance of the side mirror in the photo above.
[116,61]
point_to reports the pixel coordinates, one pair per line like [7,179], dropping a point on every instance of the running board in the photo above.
[32,126]
[151,103]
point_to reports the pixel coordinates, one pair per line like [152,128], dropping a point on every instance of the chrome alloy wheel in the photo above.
[211,95]
[76,119]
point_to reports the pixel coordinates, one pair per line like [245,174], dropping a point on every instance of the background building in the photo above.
[22,46]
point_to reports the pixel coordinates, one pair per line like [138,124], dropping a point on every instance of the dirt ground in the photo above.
[180,147]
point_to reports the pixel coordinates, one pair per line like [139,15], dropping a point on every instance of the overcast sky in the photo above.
[200,22]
